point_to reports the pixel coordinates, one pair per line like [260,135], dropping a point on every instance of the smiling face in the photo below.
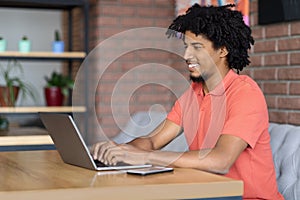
[204,61]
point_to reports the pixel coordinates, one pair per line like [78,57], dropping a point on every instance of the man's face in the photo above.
[201,57]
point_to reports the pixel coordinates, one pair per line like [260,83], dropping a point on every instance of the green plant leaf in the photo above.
[15,81]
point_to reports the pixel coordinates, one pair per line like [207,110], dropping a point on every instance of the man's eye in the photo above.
[197,47]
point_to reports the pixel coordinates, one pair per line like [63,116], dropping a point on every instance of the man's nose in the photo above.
[187,54]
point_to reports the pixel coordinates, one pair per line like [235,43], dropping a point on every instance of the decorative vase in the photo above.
[54,96]
[2,45]
[5,96]
[58,46]
[24,46]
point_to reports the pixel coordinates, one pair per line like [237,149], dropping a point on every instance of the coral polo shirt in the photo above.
[235,107]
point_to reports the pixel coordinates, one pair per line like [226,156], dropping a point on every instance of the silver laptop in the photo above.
[70,145]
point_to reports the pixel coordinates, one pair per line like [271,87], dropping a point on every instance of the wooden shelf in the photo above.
[63,109]
[47,4]
[42,55]
[35,137]
[25,136]
[25,140]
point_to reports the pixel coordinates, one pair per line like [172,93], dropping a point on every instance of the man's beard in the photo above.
[198,79]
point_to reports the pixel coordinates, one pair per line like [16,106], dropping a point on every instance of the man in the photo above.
[223,114]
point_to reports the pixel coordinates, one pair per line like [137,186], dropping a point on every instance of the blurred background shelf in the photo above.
[25,138]
[26,131]
[62,109]
[43,55]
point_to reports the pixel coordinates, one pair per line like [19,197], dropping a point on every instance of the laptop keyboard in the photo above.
[101,164]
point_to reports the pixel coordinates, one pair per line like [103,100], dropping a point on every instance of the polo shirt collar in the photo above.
[221,87]
[224,84]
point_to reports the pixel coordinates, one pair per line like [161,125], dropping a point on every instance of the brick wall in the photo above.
[275,65]
[109,17]
[275,61]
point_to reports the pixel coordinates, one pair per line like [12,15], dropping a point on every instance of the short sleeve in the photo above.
[247,116]
[175,114]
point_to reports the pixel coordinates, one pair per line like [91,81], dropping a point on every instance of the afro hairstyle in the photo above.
[221,25]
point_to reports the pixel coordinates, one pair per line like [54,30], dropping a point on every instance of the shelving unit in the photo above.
[65,109]
[42,55]
[69,56]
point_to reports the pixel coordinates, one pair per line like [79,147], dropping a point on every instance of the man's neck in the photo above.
[211,83]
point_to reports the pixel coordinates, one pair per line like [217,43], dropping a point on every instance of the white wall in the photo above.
[38,26]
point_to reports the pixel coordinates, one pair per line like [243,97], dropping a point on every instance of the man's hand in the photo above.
[111,153]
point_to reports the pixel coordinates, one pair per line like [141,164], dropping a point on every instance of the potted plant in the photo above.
[2,44]
[58,44]
[24,45]
[14,84]
[57,88]
[4,123]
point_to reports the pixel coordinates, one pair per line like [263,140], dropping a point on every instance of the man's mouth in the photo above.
[193,65]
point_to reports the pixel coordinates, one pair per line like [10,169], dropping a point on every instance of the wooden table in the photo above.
[43,175]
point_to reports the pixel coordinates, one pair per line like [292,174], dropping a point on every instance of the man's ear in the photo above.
[223,52]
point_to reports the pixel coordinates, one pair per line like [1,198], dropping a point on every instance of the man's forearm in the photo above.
[191,159]
[143,143]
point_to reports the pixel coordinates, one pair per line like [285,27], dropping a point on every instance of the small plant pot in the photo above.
[54,96]
[2,45]
[58,46]
[24,46]
[5,96]
[4,124]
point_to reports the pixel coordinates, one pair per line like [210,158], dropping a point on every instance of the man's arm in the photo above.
[216,160]
[158,138]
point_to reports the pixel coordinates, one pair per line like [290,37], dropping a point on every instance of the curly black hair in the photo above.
[222,26]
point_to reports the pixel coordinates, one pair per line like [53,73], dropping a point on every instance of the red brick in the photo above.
[130,56]
[105,88]
[278,116]
[253,19]
[295,88]
[115,10]
[295,28]
[152,55]
[108,21]
[164,23]
[294,118]
[111,76]
[289,73]
[276,30]
[105,32]
[257,33]
[288,103]
[271,101]
[265,46]
[276,59]
[164,3]
[155,12]
[127,65]
[256,60]
[137,22]
[295,58]
[275,88]
[253,6]
[136,2]
[289,44]
[264,74]
[247,71]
